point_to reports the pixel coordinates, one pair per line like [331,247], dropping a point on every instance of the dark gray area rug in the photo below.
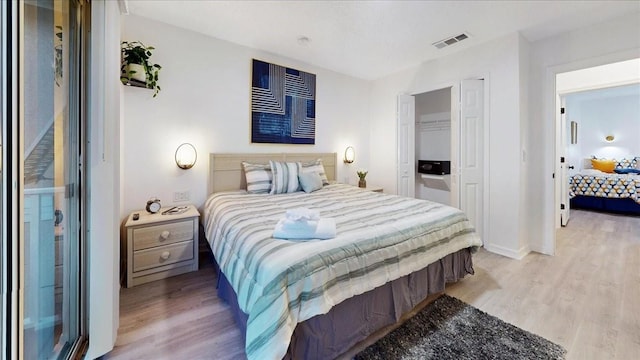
[451,329]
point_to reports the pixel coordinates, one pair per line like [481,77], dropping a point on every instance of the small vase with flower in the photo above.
[362,174]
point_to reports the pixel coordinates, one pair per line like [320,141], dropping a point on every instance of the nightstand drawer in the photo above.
[157,235]
[162,255]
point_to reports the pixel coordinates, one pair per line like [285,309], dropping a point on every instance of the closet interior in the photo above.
[433,146]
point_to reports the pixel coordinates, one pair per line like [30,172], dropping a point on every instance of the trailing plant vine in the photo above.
[58,55]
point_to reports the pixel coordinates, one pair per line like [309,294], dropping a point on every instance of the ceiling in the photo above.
[372,39]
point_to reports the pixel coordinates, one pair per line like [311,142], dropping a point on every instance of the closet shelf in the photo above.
[440,182]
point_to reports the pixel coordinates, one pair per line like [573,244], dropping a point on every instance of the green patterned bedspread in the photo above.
[279,283]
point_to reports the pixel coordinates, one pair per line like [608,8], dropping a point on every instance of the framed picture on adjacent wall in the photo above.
[283,105]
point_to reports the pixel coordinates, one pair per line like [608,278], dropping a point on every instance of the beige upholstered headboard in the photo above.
[226,173]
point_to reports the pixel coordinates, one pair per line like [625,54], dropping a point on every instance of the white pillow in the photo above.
[285,177]
[258,176]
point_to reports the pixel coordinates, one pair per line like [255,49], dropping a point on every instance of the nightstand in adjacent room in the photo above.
[159,246]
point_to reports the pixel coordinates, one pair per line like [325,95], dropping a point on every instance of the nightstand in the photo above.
[373,188]
[159,246]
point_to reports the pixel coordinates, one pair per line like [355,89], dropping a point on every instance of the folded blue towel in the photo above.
[307,227]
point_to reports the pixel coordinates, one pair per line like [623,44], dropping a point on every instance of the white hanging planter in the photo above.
[137,69]
[136,72]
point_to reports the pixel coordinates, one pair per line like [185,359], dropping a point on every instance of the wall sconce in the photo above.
[609,138]
[186,156]
[574,132]
[349,155]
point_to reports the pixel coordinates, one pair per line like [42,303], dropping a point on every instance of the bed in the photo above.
[594,189]
[319,298]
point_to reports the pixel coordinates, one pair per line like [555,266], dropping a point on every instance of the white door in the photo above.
[406,145]
[455,146]
[564,163]
[471,151]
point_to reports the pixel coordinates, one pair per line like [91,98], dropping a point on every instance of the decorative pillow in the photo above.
[258,176]
[604,165]
[285,177]
[627,171]
[310,181]
[627,163]
[318,167]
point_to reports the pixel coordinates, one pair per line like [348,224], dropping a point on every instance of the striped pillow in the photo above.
[285,177]
[258,176]
[315,166]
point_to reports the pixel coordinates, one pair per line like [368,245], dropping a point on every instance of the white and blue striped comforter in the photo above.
[279,283]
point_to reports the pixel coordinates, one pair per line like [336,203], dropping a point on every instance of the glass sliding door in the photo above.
[4,109]
[51,251]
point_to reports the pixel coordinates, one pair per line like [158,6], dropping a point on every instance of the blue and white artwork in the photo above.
[283,105]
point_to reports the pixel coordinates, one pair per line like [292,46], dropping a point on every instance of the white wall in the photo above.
[433,144]
[498,63]
[607,42]
[103,168]
[610,111]
[205,100]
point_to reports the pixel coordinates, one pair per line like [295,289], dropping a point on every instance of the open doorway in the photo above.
[433,146]
[598,115]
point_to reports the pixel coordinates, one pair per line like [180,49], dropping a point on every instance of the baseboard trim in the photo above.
[514,254]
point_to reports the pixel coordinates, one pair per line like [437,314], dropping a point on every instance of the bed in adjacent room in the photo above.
[318,298]
[607,185]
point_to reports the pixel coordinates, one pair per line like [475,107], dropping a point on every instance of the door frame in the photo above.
[551,207]
[561,191]
[9,329]
[561,146]
[455,112]
[13,200]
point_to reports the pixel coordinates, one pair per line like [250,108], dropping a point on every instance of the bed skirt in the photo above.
[329,335]
[622,206]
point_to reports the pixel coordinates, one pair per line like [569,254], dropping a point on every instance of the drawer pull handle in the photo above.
[165,255]
[165,235]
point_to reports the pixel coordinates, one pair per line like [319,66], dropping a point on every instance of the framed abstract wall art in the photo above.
[283,105]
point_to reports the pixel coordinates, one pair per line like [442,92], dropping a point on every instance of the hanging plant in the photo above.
[136,67]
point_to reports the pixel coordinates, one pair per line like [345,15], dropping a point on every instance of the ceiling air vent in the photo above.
[450,41]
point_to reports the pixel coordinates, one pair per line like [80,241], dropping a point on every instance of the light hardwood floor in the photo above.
[586,298]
